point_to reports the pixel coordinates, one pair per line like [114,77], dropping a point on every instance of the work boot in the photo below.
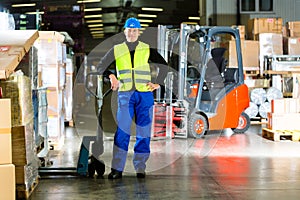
[140,174]
[114,174]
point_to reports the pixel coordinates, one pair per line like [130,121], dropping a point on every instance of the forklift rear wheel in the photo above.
[197,125]
[244,124]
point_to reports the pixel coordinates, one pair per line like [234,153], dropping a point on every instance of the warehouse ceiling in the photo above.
[90,23]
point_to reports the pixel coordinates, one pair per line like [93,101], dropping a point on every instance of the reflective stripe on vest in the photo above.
[141,68]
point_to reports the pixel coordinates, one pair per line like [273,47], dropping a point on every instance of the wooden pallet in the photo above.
[258,120]
[23,192]
[280,135]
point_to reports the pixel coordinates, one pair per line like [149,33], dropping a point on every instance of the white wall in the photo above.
[288,10]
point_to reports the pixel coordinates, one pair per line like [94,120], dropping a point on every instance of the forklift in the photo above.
[209,87]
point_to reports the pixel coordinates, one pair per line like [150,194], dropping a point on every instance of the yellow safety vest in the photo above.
[125,71]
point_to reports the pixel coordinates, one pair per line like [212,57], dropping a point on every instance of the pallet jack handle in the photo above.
[99,94]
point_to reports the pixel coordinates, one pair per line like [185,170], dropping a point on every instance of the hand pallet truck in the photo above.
[88,161]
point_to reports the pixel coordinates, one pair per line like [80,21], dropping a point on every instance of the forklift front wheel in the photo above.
[244,124]
[197,125]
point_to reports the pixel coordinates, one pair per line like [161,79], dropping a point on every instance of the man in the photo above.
[135,96]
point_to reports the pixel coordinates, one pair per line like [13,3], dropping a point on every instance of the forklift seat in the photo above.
[230,75]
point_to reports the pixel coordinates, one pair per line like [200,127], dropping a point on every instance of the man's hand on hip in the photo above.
[153,86]
[113,82]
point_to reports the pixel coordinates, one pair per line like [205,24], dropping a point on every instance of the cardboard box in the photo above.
[5,132]
[5,115]
[14,44]
[269,44]
[26,174]
[283,121]
[242,31]
[278,106]
[250,53]
[56,130]
[291,45]
[51,35]
[58,78]
[24,38]
[7,182]
[55,101]
[295,25]
[285,105]
[5,148]
[257,83]
[49,51]
[263,25]
[23,145]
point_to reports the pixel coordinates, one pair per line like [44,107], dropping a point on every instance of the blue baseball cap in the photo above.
[132,23]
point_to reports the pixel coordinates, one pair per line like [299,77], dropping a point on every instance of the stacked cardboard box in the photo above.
[24,157]
[7,169]
[293,28]
[269,44]
[250,53]
[291,40]
[52,75]
[285,114]
[263,25]
[18,89]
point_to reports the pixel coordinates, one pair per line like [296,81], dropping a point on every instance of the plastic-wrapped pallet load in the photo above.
[264,109]
[258,96]
[252,110]
[273,93]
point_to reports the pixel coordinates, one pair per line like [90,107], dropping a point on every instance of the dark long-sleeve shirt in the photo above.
[154,59]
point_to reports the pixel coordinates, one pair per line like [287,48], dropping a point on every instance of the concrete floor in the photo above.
[219,166]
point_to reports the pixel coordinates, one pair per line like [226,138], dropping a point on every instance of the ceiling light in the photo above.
[92,9]
[92,16]
[96,29]
[144,25]
[153,9]
[23,5]
[88,1]
[93,21]
[98,35]
[97,32]
[35,13]
[95,25]
[146,15]
[194,18]
[146,20]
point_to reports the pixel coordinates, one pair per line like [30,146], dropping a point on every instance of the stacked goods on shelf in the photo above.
[7,169]
[52,61]
[17,53]
[18,89]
